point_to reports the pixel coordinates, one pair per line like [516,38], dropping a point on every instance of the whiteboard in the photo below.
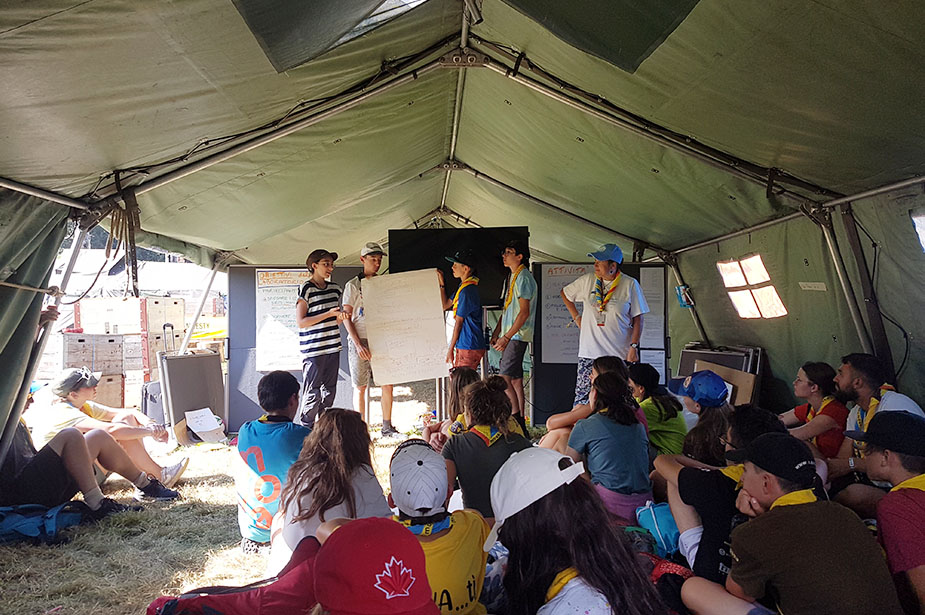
[560,334]
[277,344]
[405,326]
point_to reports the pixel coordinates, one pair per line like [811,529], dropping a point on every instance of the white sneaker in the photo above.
[171,474]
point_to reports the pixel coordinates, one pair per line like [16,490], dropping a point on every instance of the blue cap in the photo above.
[704,387]
[608,252]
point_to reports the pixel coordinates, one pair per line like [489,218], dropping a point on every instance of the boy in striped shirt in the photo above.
[318,316]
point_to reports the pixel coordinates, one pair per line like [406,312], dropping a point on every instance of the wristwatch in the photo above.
[851,462]
[634,345]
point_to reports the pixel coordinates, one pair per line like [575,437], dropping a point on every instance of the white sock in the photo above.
[93,498]
[142,481]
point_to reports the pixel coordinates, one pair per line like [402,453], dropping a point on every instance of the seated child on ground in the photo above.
[560,425]
[437,433]
[333,477]
[452,542]
[268,447]
[475,455]
[566,556]
[704,394]
[613,444]
[663,411]
[821,421]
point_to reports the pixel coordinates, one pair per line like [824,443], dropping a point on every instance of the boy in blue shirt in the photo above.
[467,347]
[268,447]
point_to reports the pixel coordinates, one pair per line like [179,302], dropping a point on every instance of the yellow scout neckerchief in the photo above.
[559,582]
[734,472]
[803,496]
[916,482]
[813,413]
[465,283]
[510,289]
[428,528]
[601,298]
[865,416]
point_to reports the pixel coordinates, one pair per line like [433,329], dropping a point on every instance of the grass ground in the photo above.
[120,565]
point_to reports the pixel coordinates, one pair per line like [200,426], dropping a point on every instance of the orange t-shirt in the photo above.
[829,441]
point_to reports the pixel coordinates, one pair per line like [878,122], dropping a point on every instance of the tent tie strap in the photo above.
[53,291]
[520,58]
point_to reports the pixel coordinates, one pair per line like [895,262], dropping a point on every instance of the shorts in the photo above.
[583,381]
[468,358]
[852,478]
[512,359]
[361,372]
[44,480]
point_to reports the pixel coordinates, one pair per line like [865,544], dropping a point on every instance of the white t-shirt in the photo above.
[286,534]
[613,339]
[891,401]
[577,598]
[353,296]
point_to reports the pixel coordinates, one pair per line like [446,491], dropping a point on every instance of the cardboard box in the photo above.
[129,315]
[99,353]
[111,390]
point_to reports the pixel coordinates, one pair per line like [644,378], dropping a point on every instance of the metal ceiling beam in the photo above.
[906,183]
[41,193]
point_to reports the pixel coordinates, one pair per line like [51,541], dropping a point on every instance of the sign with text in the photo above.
[277,332]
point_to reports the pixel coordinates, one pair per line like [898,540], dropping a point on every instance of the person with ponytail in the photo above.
[476,454]
[567,557]
[613,443]
[437,434]
[662,409]
[333,477]
[821,421]
[704,393]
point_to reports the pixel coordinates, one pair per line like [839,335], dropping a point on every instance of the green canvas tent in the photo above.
[692,131]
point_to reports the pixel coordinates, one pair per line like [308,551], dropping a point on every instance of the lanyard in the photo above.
[916,482]
[560,582]
[510,289]
[602,298]
[465,283]
[803,496]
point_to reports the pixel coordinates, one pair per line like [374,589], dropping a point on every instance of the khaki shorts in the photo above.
[361,372]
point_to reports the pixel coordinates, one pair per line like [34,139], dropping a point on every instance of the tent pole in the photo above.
[282,131]
[672,261]
[37,349]
[457,106]
[457,166]
[845,283]
[878,332]
[41,193]
[906,183]
[202,303]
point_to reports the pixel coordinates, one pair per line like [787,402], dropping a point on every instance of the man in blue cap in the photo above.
[611,322]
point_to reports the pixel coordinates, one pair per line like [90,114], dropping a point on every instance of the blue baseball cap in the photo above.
[608,252]
[704,387]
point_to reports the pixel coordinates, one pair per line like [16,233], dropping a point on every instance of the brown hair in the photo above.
[702,442]
[335,449]
[459,380]
[612,392]
[487,403]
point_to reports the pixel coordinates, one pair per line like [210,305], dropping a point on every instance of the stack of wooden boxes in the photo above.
[121,338]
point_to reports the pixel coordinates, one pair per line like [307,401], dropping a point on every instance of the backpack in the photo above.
[658,520]
[39,524]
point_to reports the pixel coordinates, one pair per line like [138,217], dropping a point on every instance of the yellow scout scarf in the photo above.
[510,289]
[601,298]
[429,528]
[813,413]
[803,496]
[865,416]
[490,435]
[559,582]
[916,482]
[465,283]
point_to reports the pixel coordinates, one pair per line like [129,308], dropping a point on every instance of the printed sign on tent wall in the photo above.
[277,332]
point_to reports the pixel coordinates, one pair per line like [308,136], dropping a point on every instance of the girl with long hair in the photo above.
[489,439]
[566,554]
[704,393]
[333,477]
[662,409]
[436,435]
[821,421]
[614,446]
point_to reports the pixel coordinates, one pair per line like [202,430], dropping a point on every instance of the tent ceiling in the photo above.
[827,92]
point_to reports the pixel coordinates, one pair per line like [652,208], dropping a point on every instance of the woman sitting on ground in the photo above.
[662,409]
[333,477]
[820,422]
[560,425]
[475,455]
[566,557]
[460,377]
[613,443]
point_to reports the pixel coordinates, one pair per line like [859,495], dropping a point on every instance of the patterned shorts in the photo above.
[583,381]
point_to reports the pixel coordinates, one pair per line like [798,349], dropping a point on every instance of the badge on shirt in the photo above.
[600,317]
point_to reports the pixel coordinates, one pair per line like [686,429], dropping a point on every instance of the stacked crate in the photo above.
[139,325]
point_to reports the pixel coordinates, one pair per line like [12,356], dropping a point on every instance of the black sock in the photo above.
[386,424]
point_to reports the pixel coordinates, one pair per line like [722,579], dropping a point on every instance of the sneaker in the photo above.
[252,547]
[390,432]
[170,475]
[111,507]
[155,491]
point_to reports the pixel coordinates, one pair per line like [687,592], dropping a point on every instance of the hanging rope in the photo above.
[54,291]
[132,221]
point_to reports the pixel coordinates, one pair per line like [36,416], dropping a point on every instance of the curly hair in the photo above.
[487,403]
[335,449]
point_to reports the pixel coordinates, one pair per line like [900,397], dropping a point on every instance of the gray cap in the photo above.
[72,379]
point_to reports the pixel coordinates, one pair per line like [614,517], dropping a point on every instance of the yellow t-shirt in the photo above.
[456,565]
[46,420]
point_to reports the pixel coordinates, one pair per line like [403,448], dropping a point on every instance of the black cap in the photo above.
[463,257]
[897,431]
[780,454]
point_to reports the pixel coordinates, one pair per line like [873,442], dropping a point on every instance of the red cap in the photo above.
[372,567]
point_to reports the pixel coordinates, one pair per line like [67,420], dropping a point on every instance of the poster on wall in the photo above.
[560,335]
[277,332]
[406,327]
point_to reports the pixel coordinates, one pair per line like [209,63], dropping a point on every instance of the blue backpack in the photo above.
[39,524]
[658,520]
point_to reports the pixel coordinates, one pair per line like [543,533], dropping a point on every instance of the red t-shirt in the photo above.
[829,441]
[901,528]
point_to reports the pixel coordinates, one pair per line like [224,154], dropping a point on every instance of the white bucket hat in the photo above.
[526,477]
